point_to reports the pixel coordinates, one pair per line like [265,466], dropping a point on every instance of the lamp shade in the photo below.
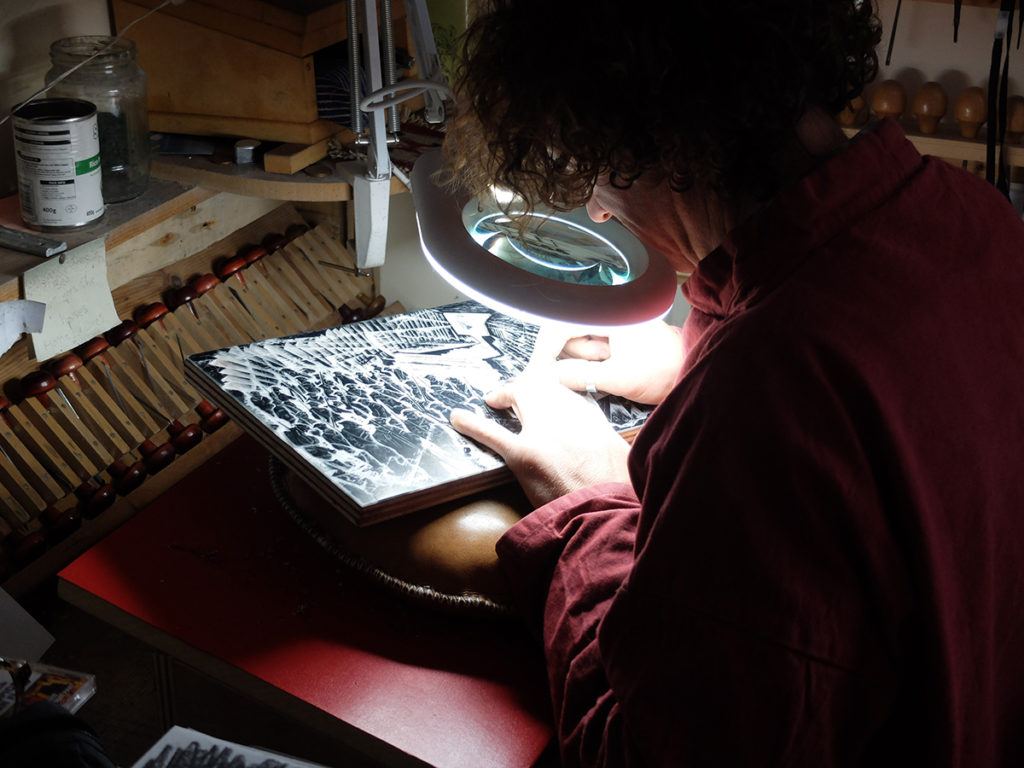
[556,266]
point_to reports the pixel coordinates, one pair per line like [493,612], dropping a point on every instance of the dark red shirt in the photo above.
[821,559]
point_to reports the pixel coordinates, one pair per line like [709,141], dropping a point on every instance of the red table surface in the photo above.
[216,563]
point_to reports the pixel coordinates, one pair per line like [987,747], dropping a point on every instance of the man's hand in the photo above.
[642,363]
[565,443]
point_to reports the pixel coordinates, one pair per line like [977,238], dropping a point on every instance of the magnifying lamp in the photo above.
[554,268]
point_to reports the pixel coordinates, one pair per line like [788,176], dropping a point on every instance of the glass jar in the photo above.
[115,83]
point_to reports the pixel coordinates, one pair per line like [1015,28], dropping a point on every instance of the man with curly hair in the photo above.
[811,556]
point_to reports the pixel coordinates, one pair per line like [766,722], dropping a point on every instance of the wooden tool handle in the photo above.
[374,307]
[61,523]
[93,498]
[66,365]
[182,296]
[212,417]
[971,111]
[274,241]
[122,332]
[349,315]
[127,477]
[228,267]
[889,99]
[203,284]
[37,383]
[92,348]
[184,438]
[156,457]
[150,313]
[252,253]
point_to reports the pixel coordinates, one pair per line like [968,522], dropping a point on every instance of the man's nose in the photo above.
[597,212]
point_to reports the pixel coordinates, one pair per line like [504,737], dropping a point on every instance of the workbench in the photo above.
[214,574]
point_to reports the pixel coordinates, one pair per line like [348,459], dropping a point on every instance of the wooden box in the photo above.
[238,67]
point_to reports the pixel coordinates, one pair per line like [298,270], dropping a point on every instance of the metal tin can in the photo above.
[59,174]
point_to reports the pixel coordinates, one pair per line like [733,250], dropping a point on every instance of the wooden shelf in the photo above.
[951,145]
[162,200]
[253,181]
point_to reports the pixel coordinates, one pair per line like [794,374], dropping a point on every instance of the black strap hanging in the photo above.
[1020,22]
[958,6]
[998,87]
[892,32]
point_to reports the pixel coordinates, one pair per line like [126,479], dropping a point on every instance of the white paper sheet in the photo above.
[21,636]
[187,748]
[76,293]
[18,317]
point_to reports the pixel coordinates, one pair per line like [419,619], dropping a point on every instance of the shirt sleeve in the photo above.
[735,615]
[566,561]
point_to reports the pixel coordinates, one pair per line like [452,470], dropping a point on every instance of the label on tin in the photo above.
[59,173]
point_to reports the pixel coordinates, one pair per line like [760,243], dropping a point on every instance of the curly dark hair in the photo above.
[554,94]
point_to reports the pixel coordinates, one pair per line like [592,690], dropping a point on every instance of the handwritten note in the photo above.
[75,290]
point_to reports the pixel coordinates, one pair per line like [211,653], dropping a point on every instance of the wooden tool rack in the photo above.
[90,437]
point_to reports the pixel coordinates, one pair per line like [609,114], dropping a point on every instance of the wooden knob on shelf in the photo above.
[853,113]
[929,107]
[252,253]
[1014,119]
[127,477]
[181,296]
[94,499]
[146,315]
[92,348]
[61,523]
[26,546]
[274,241]
[228,267]
[183,438]
[37,383]
[971,111]
[65,366]
[203,284]
[212,418]
[294,231]
[156,457]
[122,332]
[889,100]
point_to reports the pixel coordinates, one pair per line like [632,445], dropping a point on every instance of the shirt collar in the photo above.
[759,253]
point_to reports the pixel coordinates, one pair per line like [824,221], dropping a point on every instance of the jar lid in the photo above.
[72,50]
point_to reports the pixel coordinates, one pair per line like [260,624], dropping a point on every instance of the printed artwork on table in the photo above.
[186,748]
[367,404]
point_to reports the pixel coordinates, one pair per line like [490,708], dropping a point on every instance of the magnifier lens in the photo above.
[548,245]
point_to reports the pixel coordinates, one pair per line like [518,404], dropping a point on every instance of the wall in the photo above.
[924,48]
[27,27]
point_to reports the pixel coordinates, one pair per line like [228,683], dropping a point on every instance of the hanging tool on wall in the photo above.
[892,32]
[997,171]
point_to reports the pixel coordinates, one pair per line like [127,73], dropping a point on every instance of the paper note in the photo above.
[18,317]
[77,296]
[21,636]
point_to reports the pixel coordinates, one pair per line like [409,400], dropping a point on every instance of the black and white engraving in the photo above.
[186,748]
[367,404]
